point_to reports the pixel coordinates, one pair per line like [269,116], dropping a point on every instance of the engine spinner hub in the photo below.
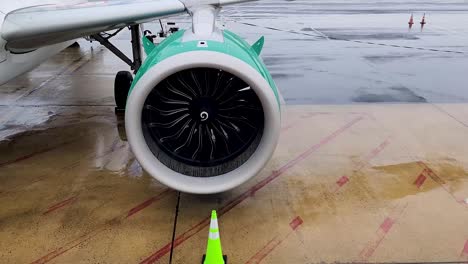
[204,108]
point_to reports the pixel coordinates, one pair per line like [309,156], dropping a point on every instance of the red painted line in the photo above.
[420,180]
[70,245]
[381,233]
[464,203]
[369,250]
[60,205]
[148,202]
[296,222]
[306,116]
[250,192]
[465,249]
[375,152]
[387,224]
[431,173]
[87,236]
[265,251]
[43,151]
[441,182]
[342,181]
[381,147]
[272,244]
[179,240]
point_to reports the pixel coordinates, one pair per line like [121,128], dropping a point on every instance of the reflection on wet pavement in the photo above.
[358,38]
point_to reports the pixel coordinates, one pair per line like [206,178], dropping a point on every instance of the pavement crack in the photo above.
[175,226]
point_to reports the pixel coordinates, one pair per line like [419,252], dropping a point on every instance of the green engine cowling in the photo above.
[203,113]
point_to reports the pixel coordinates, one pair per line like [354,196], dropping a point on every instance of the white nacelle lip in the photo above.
[202,185]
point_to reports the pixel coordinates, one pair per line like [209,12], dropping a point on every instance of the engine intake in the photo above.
[202,122]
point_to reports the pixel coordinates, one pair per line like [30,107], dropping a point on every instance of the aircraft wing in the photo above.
[33,27]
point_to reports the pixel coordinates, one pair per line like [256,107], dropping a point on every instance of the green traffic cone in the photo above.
[214,253]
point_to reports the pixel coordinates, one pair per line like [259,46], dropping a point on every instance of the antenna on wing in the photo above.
[162,27]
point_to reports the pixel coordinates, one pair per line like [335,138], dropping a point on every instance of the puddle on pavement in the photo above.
[372,189]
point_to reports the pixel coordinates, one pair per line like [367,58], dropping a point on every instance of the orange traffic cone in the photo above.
[411,21]
[423,21]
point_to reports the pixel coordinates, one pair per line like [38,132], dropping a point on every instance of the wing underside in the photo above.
[37,26]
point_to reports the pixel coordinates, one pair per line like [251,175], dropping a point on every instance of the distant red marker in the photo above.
[423,21]
[411,21]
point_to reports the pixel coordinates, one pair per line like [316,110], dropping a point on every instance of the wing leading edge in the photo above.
[38,26]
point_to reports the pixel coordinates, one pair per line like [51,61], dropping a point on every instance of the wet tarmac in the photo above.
[371,166]
[343,52]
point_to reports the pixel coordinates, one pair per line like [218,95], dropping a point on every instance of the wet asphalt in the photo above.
[341,52]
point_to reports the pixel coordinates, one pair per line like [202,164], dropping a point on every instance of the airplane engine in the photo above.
[203,116]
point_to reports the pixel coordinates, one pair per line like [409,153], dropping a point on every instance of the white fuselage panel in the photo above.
[12,65]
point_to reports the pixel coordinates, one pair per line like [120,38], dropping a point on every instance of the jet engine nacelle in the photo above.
[203,115]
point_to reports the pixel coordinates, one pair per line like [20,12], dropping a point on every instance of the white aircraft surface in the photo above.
[39,29]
